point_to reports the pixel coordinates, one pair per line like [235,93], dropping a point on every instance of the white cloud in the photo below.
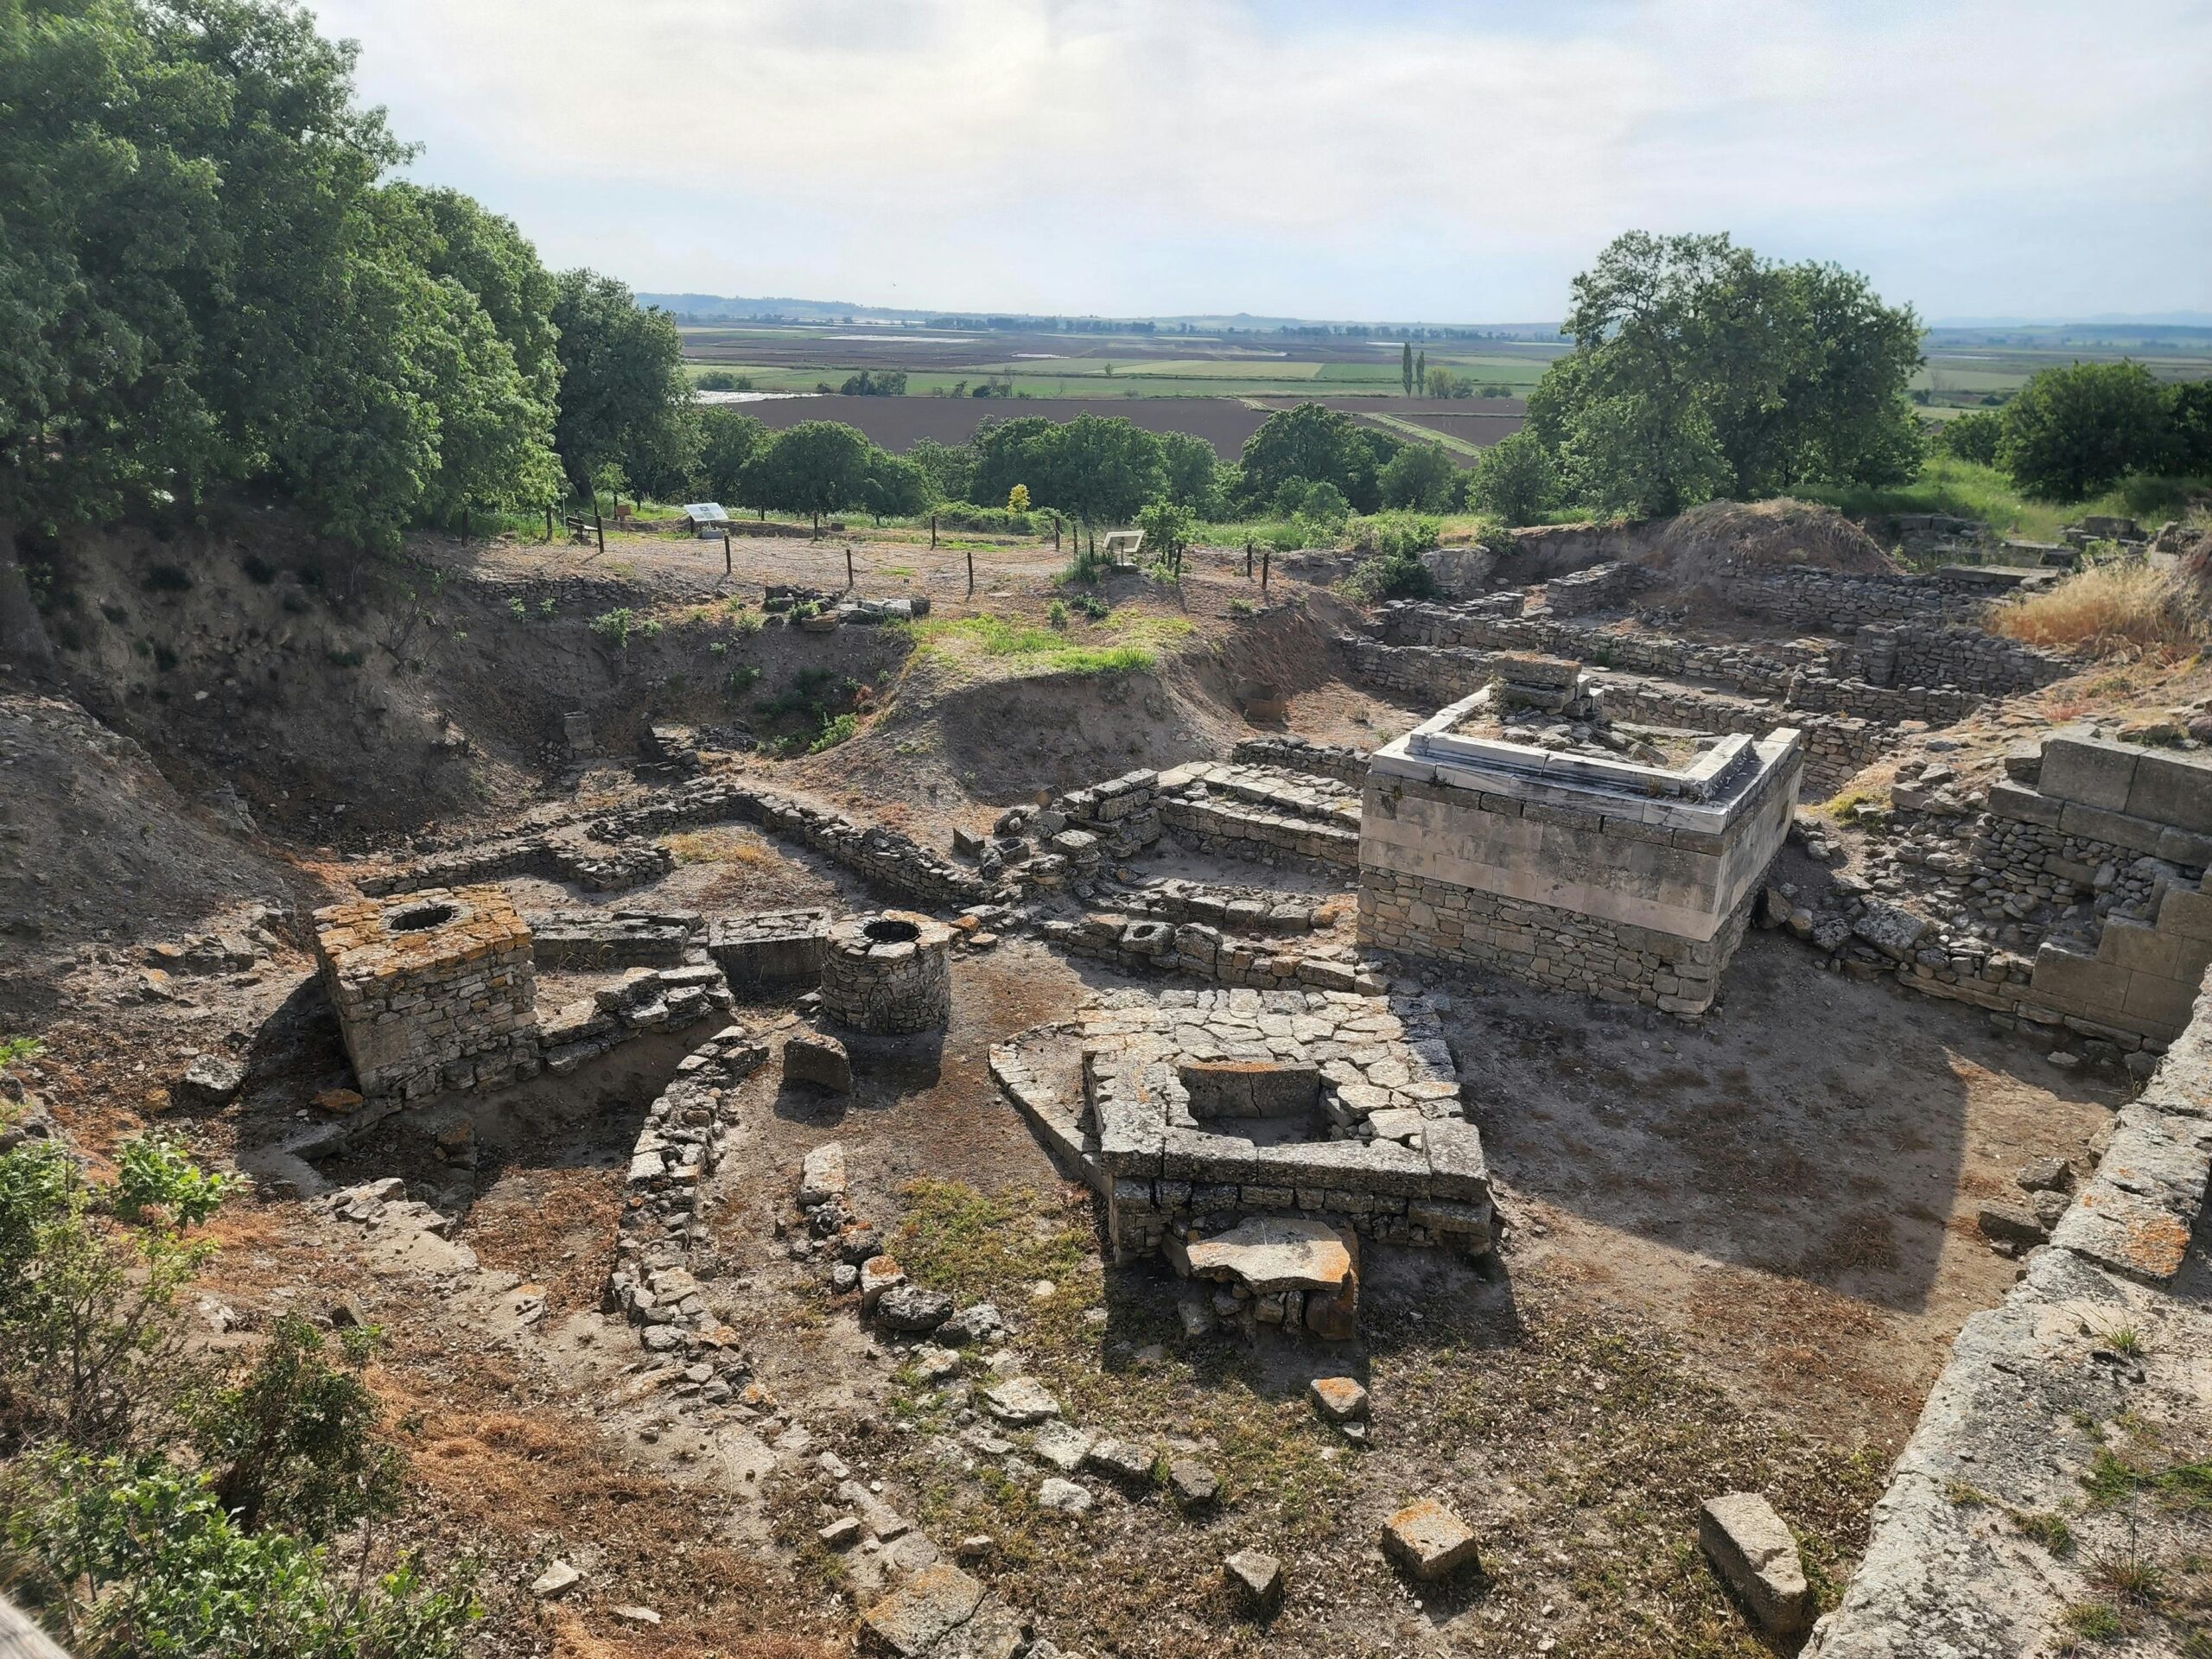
[996,145]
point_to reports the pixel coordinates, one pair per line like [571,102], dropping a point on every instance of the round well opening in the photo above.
[889,931]
[421,917]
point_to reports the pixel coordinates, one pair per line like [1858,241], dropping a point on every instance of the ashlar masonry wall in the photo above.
[1628,883]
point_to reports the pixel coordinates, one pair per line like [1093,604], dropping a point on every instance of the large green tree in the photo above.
[1420,475]
[1321,446]
[728,441]
[1194,473]
[1700,368]
[2073,432]
[202,280]
[624,398]
[1098,469]
[814,468]
[1000,458]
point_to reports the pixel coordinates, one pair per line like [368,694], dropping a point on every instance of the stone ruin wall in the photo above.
[434,992]
[1938,1576]
[1568,885]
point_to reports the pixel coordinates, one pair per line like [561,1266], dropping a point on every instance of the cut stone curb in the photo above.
[1751,1546]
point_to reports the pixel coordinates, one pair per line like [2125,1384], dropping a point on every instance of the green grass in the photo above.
[1122,643]
[1948,485]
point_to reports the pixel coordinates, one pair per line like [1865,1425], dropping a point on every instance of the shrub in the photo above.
[1971,437]
[129,1557]
[1392,534]
[614,626]
[1515,478]
[1057,614]
[1398,575]
[293,1444]
[843,730]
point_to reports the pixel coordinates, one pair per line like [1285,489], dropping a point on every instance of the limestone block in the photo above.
[1428,1541]
[2090,771]
[1752,1549]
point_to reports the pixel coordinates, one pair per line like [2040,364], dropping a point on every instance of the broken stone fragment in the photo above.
[909,1308]
[934,1365]
[1061,1444]
[821,1177]
[920,1613]
[1063,1495]
[556,1580]
[1338,1399]
[817,1057]
[212,1080]
[1752,1549]
[629,1615]
[1429,1540]
[981,1323]
[2011,1223]
[1125,1460]
[2042,1175]
[1020,1401]
[1193,1483]
[1257,1580]
[878,1275]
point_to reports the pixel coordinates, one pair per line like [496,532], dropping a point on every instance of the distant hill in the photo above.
[716,307]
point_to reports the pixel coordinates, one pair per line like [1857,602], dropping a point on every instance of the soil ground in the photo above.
[1734,1255]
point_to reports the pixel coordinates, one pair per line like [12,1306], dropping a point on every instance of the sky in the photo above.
[1394,160]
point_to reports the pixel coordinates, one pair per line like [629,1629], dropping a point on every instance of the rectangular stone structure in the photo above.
[776,948]
[435,991]
[1585,873]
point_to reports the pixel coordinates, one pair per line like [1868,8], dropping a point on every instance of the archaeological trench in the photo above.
[1408,982]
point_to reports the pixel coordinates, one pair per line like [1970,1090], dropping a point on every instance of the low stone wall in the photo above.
[1346,766]
[885,858]
[595,868]
[1262,813]
[660,1230]
[614,938]
[1601,588]
[1971,659]
[1241,910]
[1807,596]
[1133,944]
[1952,1566]
[1836,745]
[1891,704]
[643,999]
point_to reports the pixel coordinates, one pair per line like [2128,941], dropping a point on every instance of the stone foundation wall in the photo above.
[1262,813]
[597,867]
[1807,596]
[1562,948]
[1601,588]
[1836,745]
[676,1149]
[1943,1576]
[433,992]
[1138,946]
[1346,766]
[1972,660]
[885,858]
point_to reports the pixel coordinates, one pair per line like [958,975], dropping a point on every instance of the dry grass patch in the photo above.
[2118,608]
[723,844]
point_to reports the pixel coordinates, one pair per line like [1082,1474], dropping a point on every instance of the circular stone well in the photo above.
[889,973]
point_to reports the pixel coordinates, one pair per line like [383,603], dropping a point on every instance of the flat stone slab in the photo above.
[1751,1546]
[1193,1483]
[1429,1540]
[922,1613]
[821,1177]
[1020,1401]
[1062,1445]
[1269,1253]
[1126,1460]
